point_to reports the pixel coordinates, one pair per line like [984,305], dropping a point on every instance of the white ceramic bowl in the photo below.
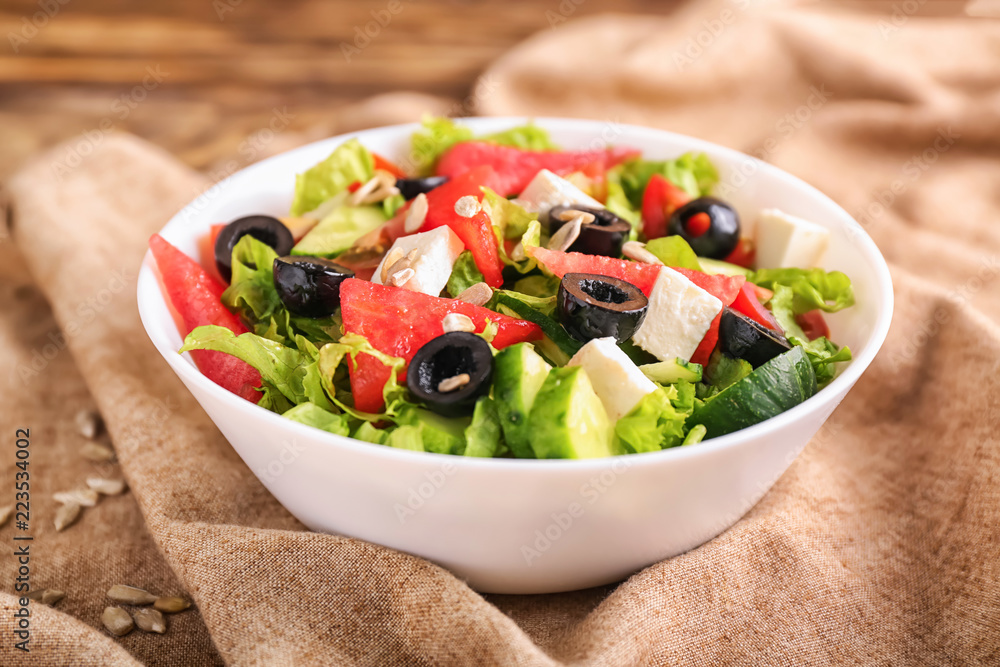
[526,526]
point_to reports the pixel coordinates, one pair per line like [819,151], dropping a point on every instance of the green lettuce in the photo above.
[251,293]
[348,163]
[329,361]
[691,172]
[528,137]
[311,414]
[436,433]
[437,135]
[369,433]
[811,288]
[293,371]
[822,353]
[654,424]
[483,434]
[618,203]
[674,251]
[464,274]
[539,286]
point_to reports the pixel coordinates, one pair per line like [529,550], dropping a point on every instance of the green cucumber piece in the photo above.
[518,374]
[669,372]
[549,326]
[780,384]
[568,420]
[712,266]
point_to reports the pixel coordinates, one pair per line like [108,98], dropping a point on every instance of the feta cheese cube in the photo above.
[436,252]
[617,381]
[787,241]
[678,318]
[547,190]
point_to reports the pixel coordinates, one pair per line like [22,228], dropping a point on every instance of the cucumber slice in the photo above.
[669,372]
[568,420]
[713,266]
[778,385]
[518,374]
[550,327]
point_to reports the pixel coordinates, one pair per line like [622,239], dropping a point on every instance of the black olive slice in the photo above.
[411,187]
[723,231]
[450,372]
[595,306]
[309,286]
[264,228]
[743,338]
[604,236]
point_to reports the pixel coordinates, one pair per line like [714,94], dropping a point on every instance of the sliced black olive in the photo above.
[723,231]
[264,228]
[604,236]
[594,306]
[309,286]
[411,187]
[450,372]
[743,338]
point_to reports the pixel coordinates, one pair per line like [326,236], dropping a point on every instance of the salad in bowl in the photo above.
[494,295]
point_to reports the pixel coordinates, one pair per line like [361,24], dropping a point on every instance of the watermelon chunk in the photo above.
[399,322]
[515,167]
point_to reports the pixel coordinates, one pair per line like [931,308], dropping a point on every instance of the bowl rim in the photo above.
[148,282]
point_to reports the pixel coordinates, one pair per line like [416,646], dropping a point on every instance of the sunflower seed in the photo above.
[571,213]
[117,621]
[416,215]
[105,486]
[82,497]
[37,595]
[390,260]
[130,595]
[381,194]
[172,605]
[457,322]
[150,620]
[566,235]
[453,383]
[50,596]
[637,251]
[5,514]
[369,187]
[98,453]
[401,277]
[467,206]
[88,423]
[477,295]
[66,515]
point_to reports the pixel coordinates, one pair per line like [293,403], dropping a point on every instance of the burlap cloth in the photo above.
[878,546]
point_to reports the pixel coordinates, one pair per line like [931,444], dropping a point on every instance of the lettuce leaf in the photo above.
[539,286]
[510,222]
[437,434]
[437,134]
[654,424]
[528,137]
[329,361]
[691,172]
[369,433]
[251,293]
[311,414]
[348,163]
[822,353]
[292,372]
[464,274]
[811,288]
[674,251]
[618,203]
[482,437]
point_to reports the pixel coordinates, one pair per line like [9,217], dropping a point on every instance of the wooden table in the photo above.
[202,77]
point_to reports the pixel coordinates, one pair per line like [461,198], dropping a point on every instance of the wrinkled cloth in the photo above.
[877,546]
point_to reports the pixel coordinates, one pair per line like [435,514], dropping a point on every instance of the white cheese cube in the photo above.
[678,318]
[787,241]
[617,381]
[547,190]
[436,252]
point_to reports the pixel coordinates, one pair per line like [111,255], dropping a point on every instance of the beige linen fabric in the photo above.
[878,546]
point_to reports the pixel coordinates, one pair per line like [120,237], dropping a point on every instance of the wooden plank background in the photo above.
[199,77]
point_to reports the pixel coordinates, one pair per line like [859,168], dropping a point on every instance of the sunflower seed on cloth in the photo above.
[150,620]
[50,596]
[130,595]
[106,486]
[117,621]
[172,604]
[5,513]
[36,594]
[82,497]
[98,453]
[66,515]
[88,423]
